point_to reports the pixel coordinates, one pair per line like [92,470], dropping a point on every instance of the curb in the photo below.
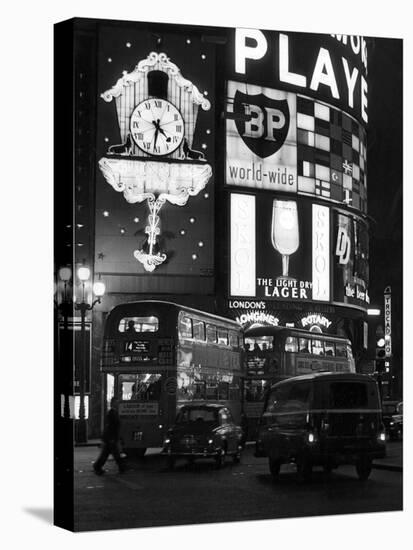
[390,467]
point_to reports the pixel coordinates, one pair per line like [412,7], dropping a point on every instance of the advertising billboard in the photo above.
[283,141]
[328,67]
[351,259]
[261,137]
[287,249]
[280,248]
[155,145]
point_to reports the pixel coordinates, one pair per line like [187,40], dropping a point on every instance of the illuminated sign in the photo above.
[350,269]
[387,322]
[257,317]
[280,249]
[242,245]
[333,67]
[315,319]
[311,158]
[321,253]
[261,137]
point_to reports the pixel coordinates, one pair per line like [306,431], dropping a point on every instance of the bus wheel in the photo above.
[275,466]
[363,468]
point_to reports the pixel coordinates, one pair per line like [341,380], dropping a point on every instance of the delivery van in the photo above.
[322,419]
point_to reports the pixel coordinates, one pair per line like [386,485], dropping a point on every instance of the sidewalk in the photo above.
[394,457]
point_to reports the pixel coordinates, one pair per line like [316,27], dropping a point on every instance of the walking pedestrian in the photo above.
[110,440]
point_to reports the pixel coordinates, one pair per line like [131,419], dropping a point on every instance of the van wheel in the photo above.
[304,470]
[363,468]
[275,466]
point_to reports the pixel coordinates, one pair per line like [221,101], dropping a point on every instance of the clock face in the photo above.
[157,127]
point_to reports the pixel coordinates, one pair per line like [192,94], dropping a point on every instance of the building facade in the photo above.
[225,169]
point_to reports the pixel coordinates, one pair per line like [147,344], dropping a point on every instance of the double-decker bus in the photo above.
[273,354]
[158,356]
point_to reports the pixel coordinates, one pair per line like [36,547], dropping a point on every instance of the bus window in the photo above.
[199,389]
[317,347]
[291,344]
[304,345]
[198,329]
[254,390]
[211,334]
[234,393]
[222,336]
[233,339]
[139,387]
[259,343]
[223,390]
[341,349]
[139,324]
[329,347]
[185,327]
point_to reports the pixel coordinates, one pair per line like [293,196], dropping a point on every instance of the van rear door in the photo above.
[350,415]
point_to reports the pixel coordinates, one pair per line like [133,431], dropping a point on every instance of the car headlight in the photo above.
[311,437]
[166,441]
[382,437]
[391,424]
[210,441]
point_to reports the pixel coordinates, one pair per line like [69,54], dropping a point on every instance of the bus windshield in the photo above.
[140,387]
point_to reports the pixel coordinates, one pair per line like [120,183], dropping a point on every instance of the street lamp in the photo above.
[99,290]
[65,307]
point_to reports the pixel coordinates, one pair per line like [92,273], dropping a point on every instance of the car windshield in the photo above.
[200,414]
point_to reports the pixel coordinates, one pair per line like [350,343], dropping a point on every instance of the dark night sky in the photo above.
[385,191]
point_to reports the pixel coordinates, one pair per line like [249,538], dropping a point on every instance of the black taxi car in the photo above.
[203,431]
[323,419]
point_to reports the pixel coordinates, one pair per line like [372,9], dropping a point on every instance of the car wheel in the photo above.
[170,462]
[304,470]
[220,459]
[275,466]
[363,468]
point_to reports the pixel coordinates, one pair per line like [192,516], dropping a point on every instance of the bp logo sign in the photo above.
[269,121]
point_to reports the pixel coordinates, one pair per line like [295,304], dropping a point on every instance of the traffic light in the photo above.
[380,355]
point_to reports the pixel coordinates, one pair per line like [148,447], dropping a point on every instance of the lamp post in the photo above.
[65,306]
[99,290]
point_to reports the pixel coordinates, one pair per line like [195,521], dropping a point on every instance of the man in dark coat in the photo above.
[110,439]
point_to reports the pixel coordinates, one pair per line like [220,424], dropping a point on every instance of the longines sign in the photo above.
[330,67]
